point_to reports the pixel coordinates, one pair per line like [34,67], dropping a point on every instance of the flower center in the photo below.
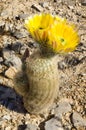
[40,28]
[63,41]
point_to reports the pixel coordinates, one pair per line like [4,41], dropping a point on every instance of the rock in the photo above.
[4,13]
[6,117]
[20,34]
[17,63]
[8,27]
[17,17]
[5,26]
[7,53]
[10,73]
[23,16]
[37,7]
[53,124]
[59,1]
[2,25]
[1,59]
[23,48]
[6,82]
[71,7]
[8,128]
[44,4]
[6,41]
[31,127]
[62,65]
[68,62]
[69,3]
[47,6]
[22,127]
[55,0]
[78,120]
[17,46]
[0,68]
[62,108]
[33,45]
[83,2]
[11,59]
[72,61]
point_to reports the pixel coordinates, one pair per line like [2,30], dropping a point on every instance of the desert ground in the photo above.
[69,110]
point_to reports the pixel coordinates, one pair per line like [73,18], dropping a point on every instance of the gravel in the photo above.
[11,59]
[53,124]
[63,107]
[78,119]
[31,127]
[69,112]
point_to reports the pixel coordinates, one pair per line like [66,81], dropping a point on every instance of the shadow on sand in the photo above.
[11,100]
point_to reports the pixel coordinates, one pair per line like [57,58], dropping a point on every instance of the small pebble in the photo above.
[78,120]
[44,4]
[62,108]
[10,73]
[0,68]
[53,124]
[1,59]
[62,65]
[72,61]
[37,7]
[7,117]
[23,48]
[31,127]
[23,16]
[17,46]
[14,61]
[2,25]
[7,53]
[19,34]
[83,2]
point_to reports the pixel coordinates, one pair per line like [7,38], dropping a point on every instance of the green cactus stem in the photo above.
[43,81]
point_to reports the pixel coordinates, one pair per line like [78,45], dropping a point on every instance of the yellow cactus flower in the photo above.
[52,32]
[63,37]
[38,26]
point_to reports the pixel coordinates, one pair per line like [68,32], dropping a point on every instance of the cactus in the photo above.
[21,83]
[43,83]
[38,83]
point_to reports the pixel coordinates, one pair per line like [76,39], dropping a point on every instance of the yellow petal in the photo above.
[53,32]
